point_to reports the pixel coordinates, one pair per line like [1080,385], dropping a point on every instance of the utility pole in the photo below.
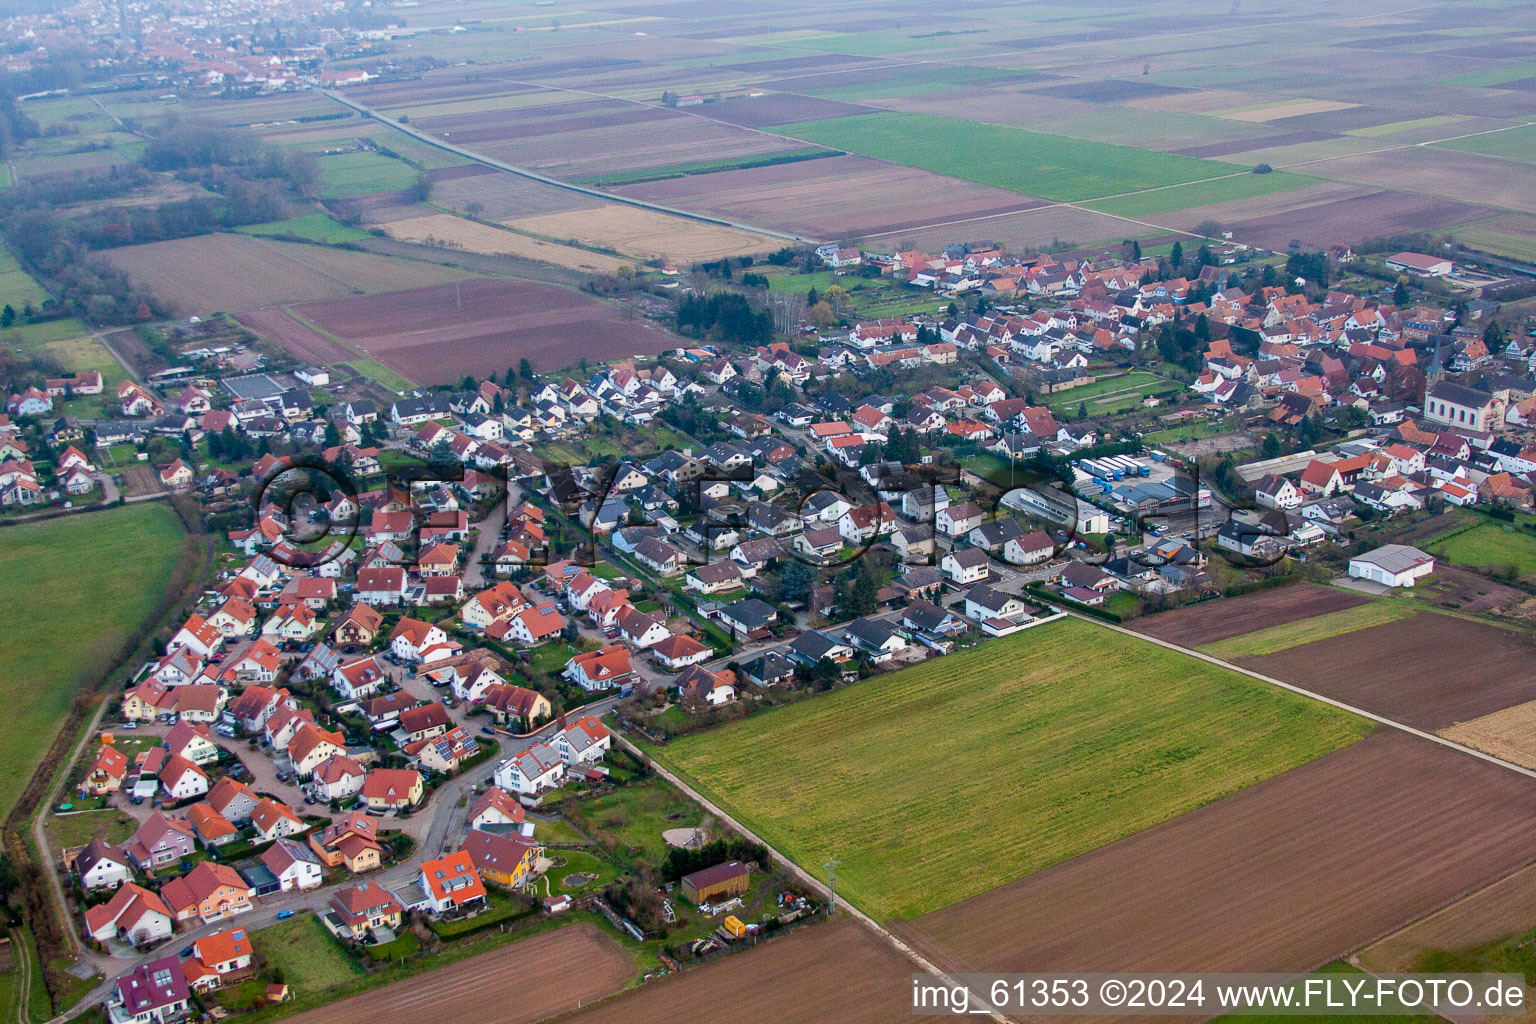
[458,299]
[831,867]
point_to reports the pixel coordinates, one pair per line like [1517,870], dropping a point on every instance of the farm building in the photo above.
[1394,565]
[721,881]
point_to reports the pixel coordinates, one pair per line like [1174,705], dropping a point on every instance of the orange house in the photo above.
[209,891]
[351,841]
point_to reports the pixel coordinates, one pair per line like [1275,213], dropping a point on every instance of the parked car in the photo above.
[488,730]
[130,726]
[283,915]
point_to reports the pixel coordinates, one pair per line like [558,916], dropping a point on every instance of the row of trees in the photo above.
[725,316]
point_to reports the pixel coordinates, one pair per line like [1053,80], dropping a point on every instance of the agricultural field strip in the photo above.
[599,193]
[1286,635]
[1410,145]
[502,165]
[1303,691]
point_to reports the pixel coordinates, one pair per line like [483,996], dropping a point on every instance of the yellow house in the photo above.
[392,788]
[507,860]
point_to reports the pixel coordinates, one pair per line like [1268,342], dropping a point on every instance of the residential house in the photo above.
[134,915]
[152,993]
[506,860]
[532,772]
[295,865]
[392,789]
[209,892]
[966,567]
[452,883]
[356,911]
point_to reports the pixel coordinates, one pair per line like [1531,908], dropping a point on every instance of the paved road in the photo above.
[486,543]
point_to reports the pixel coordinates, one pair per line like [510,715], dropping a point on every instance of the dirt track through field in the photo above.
[1220,620]
[519,983]
[1284,876]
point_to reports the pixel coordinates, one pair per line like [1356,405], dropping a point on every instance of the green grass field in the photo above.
[935,79]
[17,288]
[1396,127]
[1182,197]
[632,818]
[1479,79]
[351,174]
[1511,144]
[310,959]
[1492,235]
[1034,163]
[1109,393]
[945,780]
[316,227]
[1304,631]
[704,167]
[1489,545]
[71,591]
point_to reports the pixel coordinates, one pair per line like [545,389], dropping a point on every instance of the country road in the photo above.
[523,172]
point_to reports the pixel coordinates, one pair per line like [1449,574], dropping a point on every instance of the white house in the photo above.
[535,770]
[1393,565]
[584,741]
[965,568]
[413,637]
[1031,549]
[294,864]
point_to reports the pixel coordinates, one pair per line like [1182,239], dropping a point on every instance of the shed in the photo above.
[721,881]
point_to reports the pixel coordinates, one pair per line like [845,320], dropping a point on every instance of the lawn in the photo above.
[305,952]
[551,657]
[631,819]
[350,174]
[1512,144]
[1108,390]
[316,227]
[1489,546]
[72,590]
[1182,197]
[1034,163]
[1191,430]
[37,1006]
[70,830]
[945,780]
[1304,631]
[577,862]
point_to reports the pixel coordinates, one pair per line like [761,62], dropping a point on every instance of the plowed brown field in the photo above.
[1219,620]
[519,983]
[830,972]
[1429,671]
[438,334]
[1284,876]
